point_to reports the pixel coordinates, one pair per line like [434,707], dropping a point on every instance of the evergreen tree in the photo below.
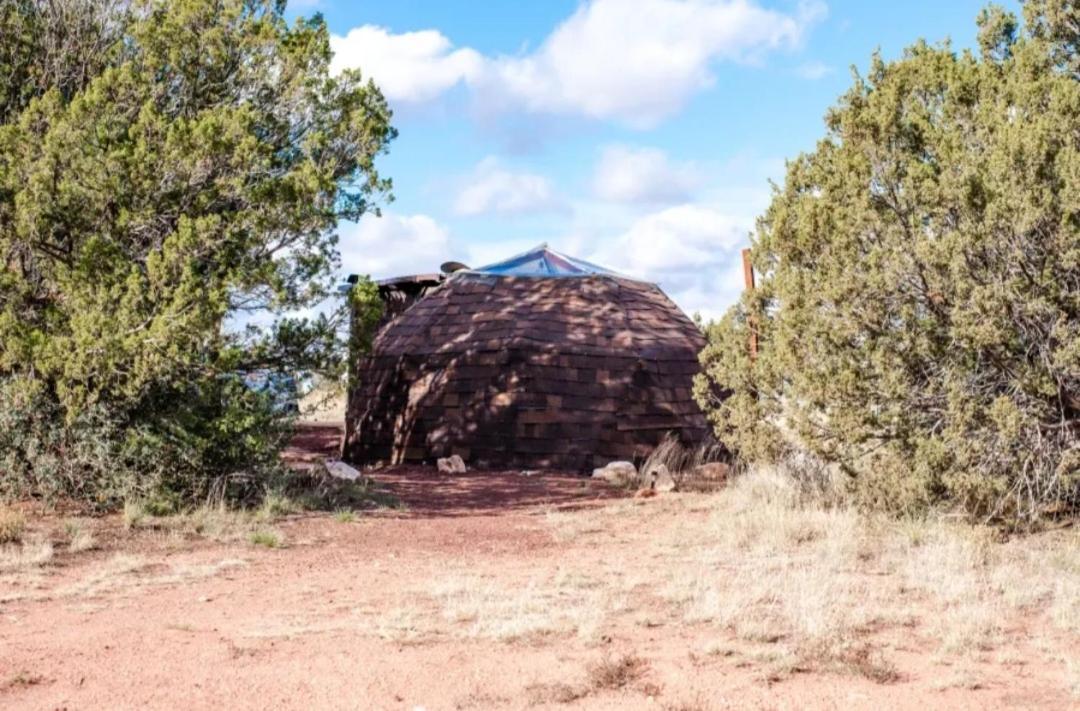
[167,168]
[918,309]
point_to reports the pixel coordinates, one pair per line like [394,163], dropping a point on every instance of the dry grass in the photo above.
[345,516]
[570,526]
[789,577]
[1072,675]
[606,674]
[680,458]
[216,523]
[266,538]
[79,537]
[613,673]
[12,526]
[554,693]
[132,572]
[779,562]
[696,704]
[773,574]
[560,603]
[226,525]
[276,506]
[26,555]
[21,680]
[858,659]
[134,514]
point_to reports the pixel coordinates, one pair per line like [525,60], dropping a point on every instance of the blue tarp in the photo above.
[543,262]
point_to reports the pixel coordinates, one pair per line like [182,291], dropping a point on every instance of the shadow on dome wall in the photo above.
[512,371]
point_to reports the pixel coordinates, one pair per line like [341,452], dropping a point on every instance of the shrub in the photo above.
[918,307]
[170,185]
[216,440]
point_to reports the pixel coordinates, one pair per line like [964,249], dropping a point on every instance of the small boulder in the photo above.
[618,473]
[660,479]
[341,470]
[453,464]
[711,471]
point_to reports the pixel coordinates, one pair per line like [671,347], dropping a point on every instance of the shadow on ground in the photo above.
[426,493]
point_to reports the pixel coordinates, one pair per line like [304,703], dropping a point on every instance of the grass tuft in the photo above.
[344,516]
[134,514]
[266,539]
[612,673]
[79,538]
[25,555]
[276,506]
[556,693]
[12,525]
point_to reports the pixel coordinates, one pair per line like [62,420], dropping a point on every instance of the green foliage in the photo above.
[344,516]
[918,309]
[169,170]
[366,309]
[266,539]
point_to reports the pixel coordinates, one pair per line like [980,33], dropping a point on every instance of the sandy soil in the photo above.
[431,607]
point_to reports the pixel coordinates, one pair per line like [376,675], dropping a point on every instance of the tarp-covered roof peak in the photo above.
[542,261]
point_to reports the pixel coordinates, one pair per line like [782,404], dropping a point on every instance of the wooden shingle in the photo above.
[527,371]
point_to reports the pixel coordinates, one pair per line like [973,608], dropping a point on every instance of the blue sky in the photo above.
[640,134]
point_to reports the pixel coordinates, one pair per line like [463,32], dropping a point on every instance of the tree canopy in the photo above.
[918,307]
[167,167]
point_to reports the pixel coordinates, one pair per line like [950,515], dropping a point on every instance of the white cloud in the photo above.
[408,67]
[494,189]
[642,175]
[813,70]
[690,250]
[635,62]
[393,245]
[676,239]
[639,61]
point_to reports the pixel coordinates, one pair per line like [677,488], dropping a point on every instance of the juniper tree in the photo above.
[167,169]
[918,307]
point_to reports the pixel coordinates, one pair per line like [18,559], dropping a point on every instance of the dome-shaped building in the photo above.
[539,361]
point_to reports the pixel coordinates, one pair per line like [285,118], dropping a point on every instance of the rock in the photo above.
[660,480]
[616,473]
[341,470]
[453,464]
[712,471]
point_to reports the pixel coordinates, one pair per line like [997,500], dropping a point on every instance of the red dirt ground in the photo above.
[318,624]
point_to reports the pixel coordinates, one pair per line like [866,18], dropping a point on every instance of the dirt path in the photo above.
[489,591]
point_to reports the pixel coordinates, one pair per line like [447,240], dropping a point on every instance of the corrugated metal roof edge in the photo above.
[586,268]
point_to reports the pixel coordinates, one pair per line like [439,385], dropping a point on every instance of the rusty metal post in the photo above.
[748,277]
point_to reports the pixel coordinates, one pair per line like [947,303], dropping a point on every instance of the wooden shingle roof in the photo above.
[591,315]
